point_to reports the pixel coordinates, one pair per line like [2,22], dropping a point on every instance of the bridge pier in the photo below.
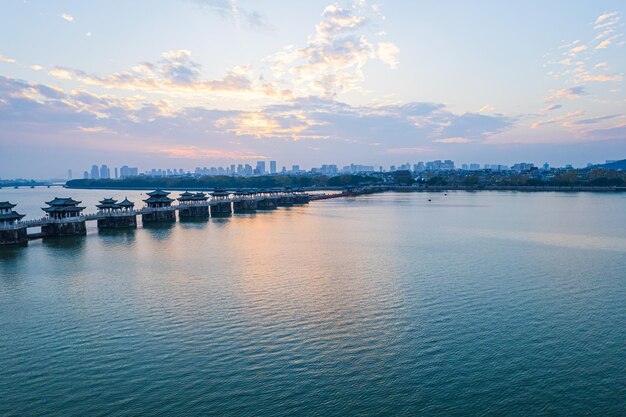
[245,206]
[193,206]
[159,216]
[301,199]
[285,201]
[221,209]
[267,203]
[65,218]
[11,232]
[160,204]
[69,228]
[16,236]
[193,212]
[118,222]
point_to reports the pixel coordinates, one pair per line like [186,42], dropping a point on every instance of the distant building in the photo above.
[127,172]
[69,174]
[522,166]
[95,173]
[272,167]
[260,168]
[86,175]
[105,172]
[474,167]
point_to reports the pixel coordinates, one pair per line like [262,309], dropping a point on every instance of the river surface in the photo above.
[486,303]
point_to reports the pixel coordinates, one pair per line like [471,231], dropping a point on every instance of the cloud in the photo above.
[37,67]
[6,59]
[452,140]
[575,50]
[606,20]
[571,93]
[410,151]
[595,120]
[39,114]
[557,119]
[61,73]
[175,71]
[232,10]
[551,107]
[601,77]
[584,54]
[604,16]
[388,53]
[67,17]
[194,152]
[333,59]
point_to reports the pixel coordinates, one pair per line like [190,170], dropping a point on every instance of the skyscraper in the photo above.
[272,167]
[260,167]
[105,173]
[95,174]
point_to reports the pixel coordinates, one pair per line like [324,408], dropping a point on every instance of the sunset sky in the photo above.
[188,83]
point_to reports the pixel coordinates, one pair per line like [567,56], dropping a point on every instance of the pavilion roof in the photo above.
[109,205]
[63,209]
[158,193]
[108,201]
[6,205]
[126,203]
[63,202]
[154,199]
[220,192]
[11,216]
[186,196]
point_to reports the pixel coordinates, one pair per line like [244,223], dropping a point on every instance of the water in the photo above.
[472,304]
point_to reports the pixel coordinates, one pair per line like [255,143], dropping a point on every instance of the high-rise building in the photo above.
[69,174]
[272,167]
[105,172]
[95,173]
[260,168]
[86,175]
[126,172]
[116,173]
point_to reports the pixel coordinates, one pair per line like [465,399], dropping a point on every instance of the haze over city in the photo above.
[308,83]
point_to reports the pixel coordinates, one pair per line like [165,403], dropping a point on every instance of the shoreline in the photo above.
[399,188]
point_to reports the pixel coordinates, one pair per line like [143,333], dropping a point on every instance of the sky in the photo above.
[200,83]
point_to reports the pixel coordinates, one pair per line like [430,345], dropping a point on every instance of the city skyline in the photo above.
[352,81]
[103,171]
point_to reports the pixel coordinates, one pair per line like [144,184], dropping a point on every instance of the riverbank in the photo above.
[397,188]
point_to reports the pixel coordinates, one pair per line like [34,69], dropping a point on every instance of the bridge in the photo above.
[211,201]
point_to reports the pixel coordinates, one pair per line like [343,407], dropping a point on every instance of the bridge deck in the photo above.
[145,210]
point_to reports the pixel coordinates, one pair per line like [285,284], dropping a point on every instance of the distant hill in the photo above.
[617,165]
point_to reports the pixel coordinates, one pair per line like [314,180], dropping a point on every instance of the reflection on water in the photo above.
[66,245]
[566,240]
[472,303]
